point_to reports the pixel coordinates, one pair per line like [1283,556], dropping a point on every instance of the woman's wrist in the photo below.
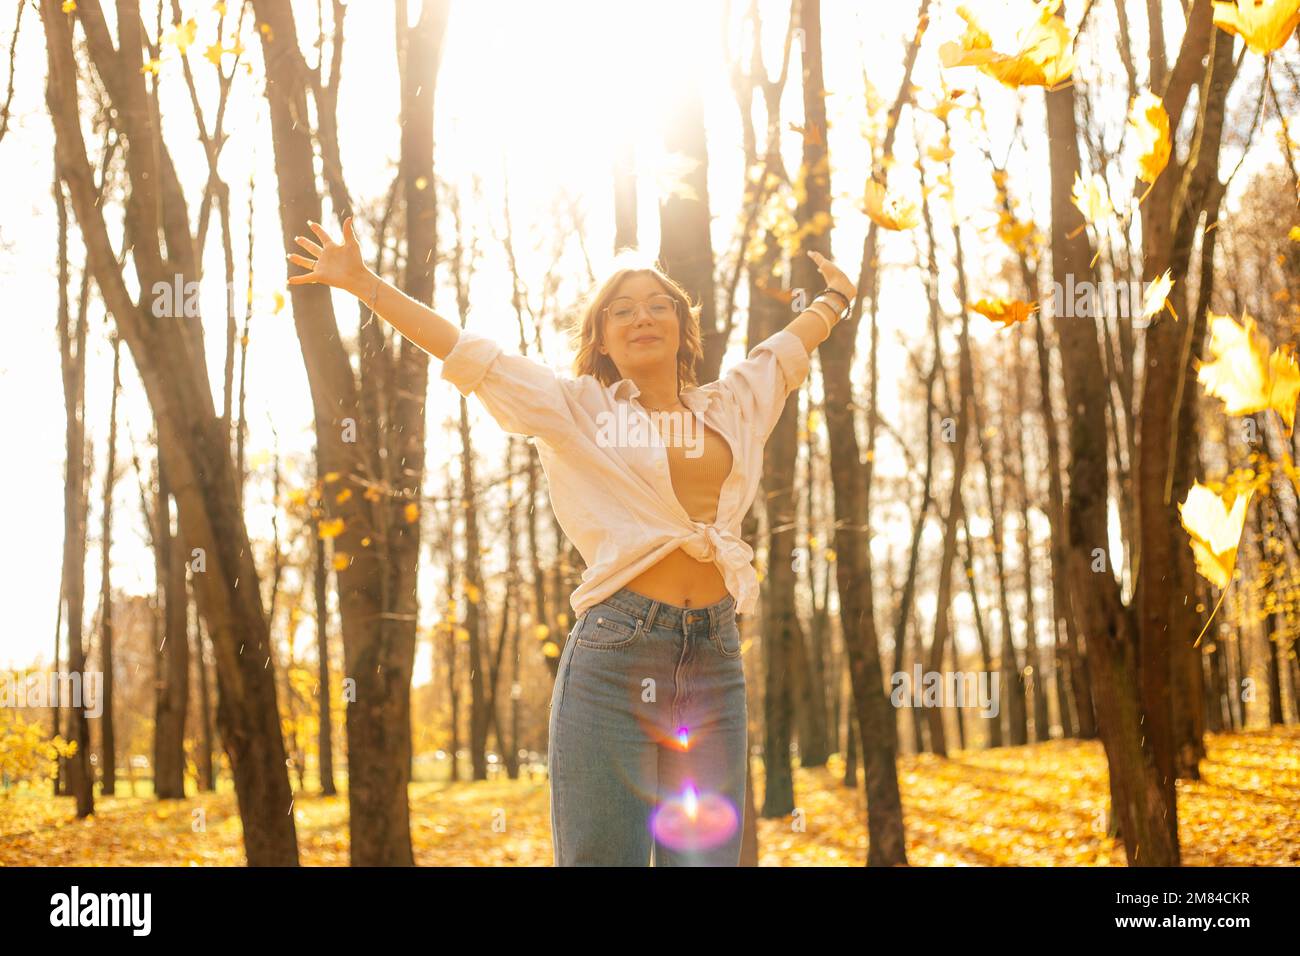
[362,284]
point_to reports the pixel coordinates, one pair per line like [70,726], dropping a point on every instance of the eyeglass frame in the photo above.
[636,303]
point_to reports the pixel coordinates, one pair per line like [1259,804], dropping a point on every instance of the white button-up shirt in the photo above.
[615,500]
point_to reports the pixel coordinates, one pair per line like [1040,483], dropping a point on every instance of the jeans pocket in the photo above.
[727,638]
[609,628]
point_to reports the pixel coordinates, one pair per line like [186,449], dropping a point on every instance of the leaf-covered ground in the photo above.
[1041,805]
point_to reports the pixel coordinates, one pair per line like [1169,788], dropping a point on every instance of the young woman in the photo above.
[648,727]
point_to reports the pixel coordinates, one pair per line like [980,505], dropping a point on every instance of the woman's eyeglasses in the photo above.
[623,310]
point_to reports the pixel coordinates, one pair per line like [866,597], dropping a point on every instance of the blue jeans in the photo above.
[648,736]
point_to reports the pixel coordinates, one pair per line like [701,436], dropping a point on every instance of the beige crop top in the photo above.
[698,470]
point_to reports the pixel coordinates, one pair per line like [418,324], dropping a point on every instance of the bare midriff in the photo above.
[678,578]
[681,580]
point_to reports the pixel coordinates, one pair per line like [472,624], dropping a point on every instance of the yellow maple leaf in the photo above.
[1265,25]
[1215,524]
[1247,373]
[1043,43]
[69,6]
[1156,296]
[331,528]
[889,209]
[940,154]
[181,35]
[1150,125]
[1093,199]
[1006,311]
[1294,234]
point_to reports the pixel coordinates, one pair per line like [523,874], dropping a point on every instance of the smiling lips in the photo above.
[641,340]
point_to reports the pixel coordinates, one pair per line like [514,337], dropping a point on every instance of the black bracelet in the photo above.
[847,301]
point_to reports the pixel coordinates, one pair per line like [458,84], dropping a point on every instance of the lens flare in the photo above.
[693,820]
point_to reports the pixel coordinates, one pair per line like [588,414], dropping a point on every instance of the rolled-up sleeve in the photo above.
[524,396]
[760,384]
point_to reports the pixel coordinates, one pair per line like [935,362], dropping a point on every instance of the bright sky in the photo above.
[537,93]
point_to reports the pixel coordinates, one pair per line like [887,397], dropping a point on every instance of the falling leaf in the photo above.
[1006,311]
[411,512]
[277,298]
[541,632]
[330,477]
[810,133]
[1093,199]
[1156,296]
[343,495]
[1044,58]
[1245,374]
[1150,125]
[940,154]
[181,35]
[1215,524]
[151,66]
[1294,234]
[472,592]
[342,561]
[888,209]
[330,528]
[69,6]
[1265,25]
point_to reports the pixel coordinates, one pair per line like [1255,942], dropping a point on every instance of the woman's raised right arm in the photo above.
[340,265]
[524,396]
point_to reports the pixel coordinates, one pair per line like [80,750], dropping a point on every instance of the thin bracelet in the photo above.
[838,312]
[847,301]
[822,315]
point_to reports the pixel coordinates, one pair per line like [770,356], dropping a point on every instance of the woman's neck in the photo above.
[657,391]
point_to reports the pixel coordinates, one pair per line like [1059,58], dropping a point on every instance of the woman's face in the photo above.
[641,326]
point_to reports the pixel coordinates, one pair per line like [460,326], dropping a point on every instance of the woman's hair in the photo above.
[589,360]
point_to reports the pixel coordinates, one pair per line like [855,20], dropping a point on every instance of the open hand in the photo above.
[834,276]
[337,264]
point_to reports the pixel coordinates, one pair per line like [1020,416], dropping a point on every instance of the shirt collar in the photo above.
[693,397]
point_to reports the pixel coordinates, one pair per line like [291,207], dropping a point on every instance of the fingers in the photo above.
[350,232]
[307,244]
[320,231]
[300,260]
[302,279]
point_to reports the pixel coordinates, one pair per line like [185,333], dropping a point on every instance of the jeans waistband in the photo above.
[670,615]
